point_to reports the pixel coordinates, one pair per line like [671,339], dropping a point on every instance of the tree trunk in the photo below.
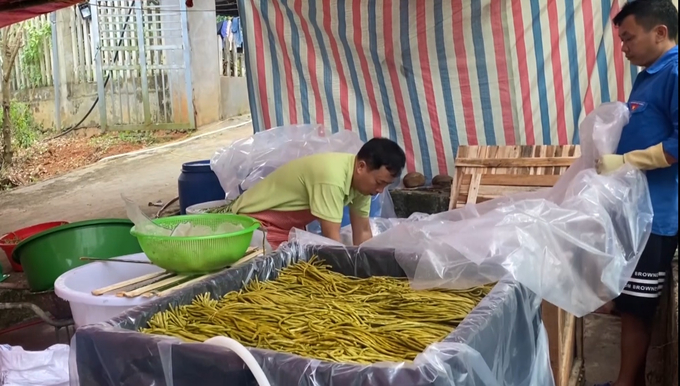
[6,125]
[11,40]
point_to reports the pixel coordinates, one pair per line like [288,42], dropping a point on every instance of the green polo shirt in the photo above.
[321,183]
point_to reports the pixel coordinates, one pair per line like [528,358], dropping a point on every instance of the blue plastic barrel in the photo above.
[197,184]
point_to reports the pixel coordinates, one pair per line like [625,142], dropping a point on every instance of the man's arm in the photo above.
[661,155]
[359,212]
[330,229]
[670,145]
[361,226]
[326,203]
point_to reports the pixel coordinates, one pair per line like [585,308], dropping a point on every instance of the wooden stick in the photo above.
[178,287]
[474,188]
[171,286]
[567,350]
[115,260]
[143,284]
[126,283]
[162,283]
[254,252]
[576,376]
[515,162]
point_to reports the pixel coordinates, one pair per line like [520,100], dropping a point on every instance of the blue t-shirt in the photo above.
[653,104]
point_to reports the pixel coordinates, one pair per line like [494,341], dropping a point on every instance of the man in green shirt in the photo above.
[318,187]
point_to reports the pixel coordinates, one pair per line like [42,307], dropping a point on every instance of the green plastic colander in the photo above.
[198,254]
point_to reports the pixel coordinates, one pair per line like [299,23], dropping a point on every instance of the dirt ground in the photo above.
[58,156]
[94,192]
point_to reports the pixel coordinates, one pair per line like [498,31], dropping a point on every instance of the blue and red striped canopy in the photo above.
[434,74]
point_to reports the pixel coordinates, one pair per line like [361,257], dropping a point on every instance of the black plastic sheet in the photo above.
[501,342]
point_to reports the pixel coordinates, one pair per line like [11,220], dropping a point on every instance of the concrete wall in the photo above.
[74,105]
[205,69]
[214,97]
[230,101]
[234,97]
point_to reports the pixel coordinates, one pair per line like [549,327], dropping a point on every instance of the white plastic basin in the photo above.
[76,286]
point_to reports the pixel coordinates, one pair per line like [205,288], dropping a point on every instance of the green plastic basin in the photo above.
[49,254]
[199,254]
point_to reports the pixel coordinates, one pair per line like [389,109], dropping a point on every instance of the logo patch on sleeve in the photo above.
[633,106]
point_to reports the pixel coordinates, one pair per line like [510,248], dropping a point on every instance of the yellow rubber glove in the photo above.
[650,158]
[609,163]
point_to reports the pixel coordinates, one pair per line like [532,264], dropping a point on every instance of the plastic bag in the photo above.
[143,224]
[378,226]
[245,162]
[40,368]
[501,342]
[575,245]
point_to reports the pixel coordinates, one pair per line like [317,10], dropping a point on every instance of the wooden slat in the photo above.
[474,188]
[520,180]
[576,376]
[566,360]
[512,180]
[516,162]
[163,283]
[549,316]
[250,254]
[177,287]
[151,287]
[511,166]
[127,283]
[499,191]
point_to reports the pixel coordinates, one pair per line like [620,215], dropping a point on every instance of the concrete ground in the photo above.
[601,348]
[94,192]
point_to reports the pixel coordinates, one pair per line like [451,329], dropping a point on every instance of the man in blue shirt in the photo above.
[648,31]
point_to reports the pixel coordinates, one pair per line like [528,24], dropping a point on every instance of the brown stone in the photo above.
[442,181]
[414,180]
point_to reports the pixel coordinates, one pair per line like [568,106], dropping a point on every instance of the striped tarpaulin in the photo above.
[434,74]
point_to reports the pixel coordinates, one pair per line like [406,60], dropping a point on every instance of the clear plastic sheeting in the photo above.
[575,244]
[501,342]
[243,163]
[379,225]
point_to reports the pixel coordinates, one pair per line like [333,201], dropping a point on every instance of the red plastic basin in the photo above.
[11,239]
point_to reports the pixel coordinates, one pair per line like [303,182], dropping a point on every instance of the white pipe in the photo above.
[173,143]
[242,352]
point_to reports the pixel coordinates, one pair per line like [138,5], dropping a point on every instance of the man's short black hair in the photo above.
[379,152]
[651,13]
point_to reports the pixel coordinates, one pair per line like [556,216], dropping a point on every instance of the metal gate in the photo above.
[142,64]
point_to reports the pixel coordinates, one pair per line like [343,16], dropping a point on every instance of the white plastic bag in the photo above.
[40,368]
[575,245]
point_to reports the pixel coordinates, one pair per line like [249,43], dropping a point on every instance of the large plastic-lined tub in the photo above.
[501,342]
